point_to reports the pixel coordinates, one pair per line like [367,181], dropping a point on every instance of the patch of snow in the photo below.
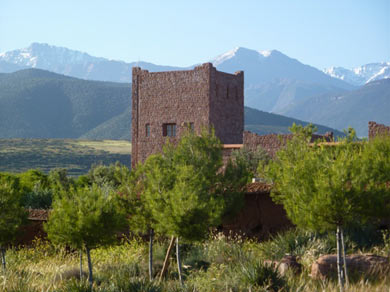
[265,53]
[225,56]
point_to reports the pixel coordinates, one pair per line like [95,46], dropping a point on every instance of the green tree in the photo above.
[12,214]
[59,180]
[251,159]
[85,218]
[325,188]
[113,175]
[36,189]
[184,188]
[139,216]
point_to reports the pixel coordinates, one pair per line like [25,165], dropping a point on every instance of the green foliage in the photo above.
[134,201]
[12,214]
[218,264]
[60,181]
[261,275]
[323,187]
[183,186]
[37,198]
[298,243]
[33,179]
[85,218]
[251,159]
[113,175]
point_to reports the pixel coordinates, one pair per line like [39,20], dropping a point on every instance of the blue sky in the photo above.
[180,33]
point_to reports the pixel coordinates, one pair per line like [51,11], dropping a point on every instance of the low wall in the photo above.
[375,129]
[260,217]
[273,142]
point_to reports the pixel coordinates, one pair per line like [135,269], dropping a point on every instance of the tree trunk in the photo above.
[340,272]
[3,258]
[178,261]
[344,257]
[151,234]
[90,277]
[81,264]
[166,261]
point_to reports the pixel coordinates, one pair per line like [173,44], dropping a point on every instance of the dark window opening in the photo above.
[147,130]
[169,130]
[227,91]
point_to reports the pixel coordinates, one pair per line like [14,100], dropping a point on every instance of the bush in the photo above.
[259,275]
[37,199]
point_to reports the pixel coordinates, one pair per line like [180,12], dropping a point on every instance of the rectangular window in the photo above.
[169,130]
[147,130]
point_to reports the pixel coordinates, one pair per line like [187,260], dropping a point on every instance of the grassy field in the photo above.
[218,264]
[77,156]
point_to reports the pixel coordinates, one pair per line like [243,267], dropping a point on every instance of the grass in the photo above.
[219,264]
[77,156]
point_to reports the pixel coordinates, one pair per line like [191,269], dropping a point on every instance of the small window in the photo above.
[227,91]
[147,130]
[169,130]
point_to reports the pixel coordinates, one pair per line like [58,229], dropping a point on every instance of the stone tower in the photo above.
[165,104]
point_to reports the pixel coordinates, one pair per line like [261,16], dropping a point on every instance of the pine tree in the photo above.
[325,188]
[184,188]
[12,214]
[85,219]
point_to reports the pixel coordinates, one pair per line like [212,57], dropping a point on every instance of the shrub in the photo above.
[259,275]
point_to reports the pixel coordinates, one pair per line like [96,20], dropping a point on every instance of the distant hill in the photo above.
[264,123]
[36,103]
[39,104]
[348,108]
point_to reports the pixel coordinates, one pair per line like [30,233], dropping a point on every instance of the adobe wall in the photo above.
[273,142]
[166,97]
[260,217]
[375,129]
[182,97]
[227,106]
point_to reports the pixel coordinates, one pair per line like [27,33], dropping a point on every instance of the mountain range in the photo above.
[36,103]
[361,75]
[274,82]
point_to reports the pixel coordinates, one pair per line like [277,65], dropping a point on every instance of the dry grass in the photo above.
[219,264]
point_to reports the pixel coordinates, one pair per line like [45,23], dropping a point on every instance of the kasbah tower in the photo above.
[166,104]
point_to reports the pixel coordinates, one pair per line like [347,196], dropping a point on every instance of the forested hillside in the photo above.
[39,104]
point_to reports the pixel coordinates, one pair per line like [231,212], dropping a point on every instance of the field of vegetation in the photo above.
[217,264]
[77,156]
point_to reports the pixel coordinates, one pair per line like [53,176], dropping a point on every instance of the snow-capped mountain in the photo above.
[265,66]
[44,56]
[361,75]
[72,63]
[274,81]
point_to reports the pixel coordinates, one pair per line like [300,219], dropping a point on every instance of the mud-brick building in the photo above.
[165,104]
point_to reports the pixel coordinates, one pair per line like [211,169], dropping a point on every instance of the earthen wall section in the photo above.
[273,142]
[375,129]
[180,98]
[177,97]
[227,106]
